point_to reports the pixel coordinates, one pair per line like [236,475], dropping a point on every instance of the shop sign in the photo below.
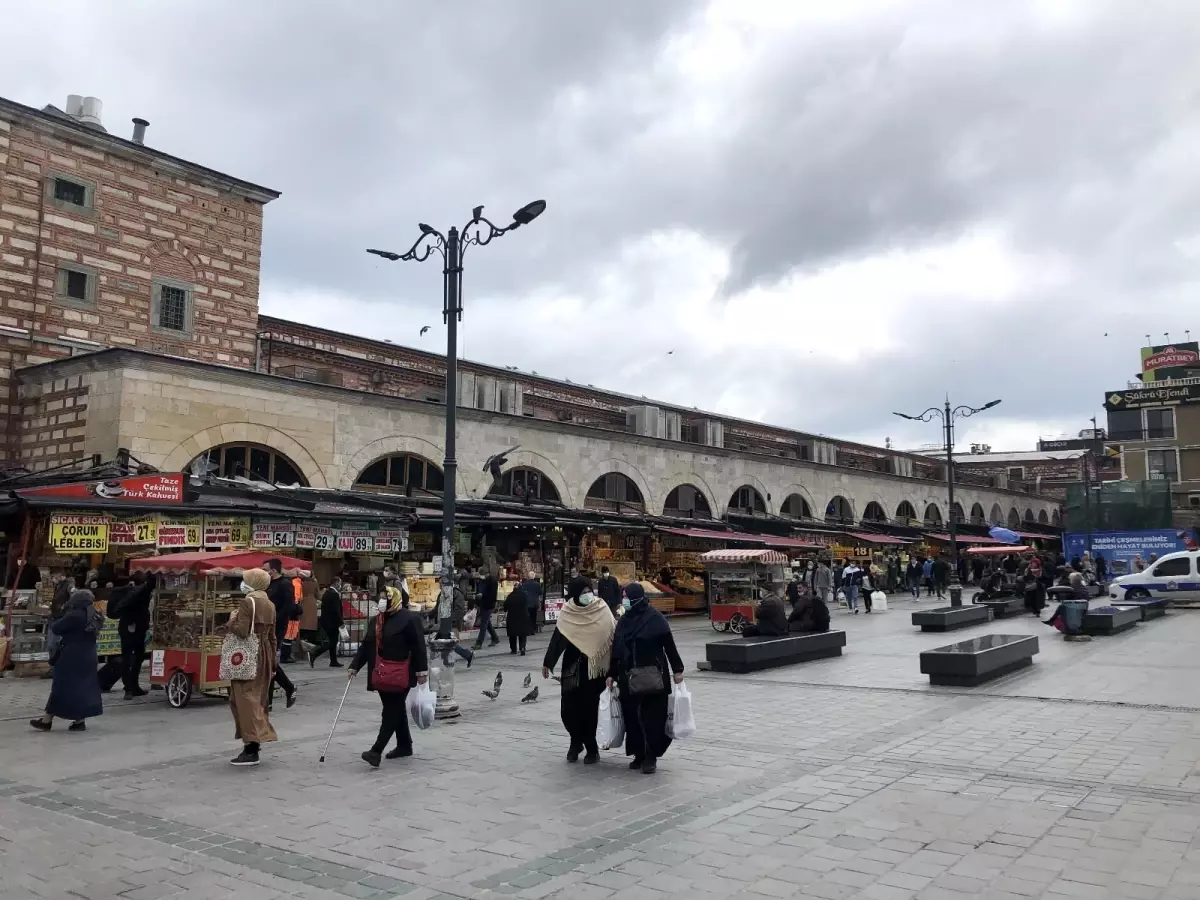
[228,532]
[79,534]
[391,540]
[133,532]
[142,489]
[355,540]
[422,540]
[315,537]
[1162,396]
[553,605]
[1169,360]
[273,535]
[179,533]
[158,663]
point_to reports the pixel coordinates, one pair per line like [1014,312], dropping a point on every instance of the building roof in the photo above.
[1017,456]
[98,137]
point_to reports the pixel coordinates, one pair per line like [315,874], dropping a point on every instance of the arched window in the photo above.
[874,513]
[978,517]
[1014,518]
[400,472]
[933,516]
[747,501]
[614,491]
[796,507]
[1043,519]
[997,516]
[1056,518]
[687,501]
[839,511]
[252,461]
[1029,516]
[906,513]
[956,513]
[525,481]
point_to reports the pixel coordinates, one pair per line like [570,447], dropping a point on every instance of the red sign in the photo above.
[1170,357]
[166,489]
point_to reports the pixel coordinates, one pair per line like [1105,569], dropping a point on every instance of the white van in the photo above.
[1174,577]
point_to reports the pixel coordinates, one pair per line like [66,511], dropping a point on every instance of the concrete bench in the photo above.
[1151,607]
[948,618]
[970,663]
[1111,622]
[751,654]
[1004,607]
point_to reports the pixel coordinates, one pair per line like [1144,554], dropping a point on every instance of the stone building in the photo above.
[106,243]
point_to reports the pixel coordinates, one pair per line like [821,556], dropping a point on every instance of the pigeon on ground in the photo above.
[491,695]
[499,681]
[528,681]
[531,697]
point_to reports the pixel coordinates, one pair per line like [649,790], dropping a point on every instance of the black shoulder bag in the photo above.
[645,681]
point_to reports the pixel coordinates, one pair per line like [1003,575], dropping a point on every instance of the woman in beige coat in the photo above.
[248,699]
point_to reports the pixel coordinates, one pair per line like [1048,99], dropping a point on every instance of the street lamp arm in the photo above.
[429,241]
[965,412]
[481,231]
[927,416]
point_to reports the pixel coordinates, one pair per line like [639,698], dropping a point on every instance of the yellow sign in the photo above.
[79,534]
[176,533]
[225,532]
[129,532]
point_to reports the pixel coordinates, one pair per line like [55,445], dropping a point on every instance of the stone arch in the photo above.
[244,433]
[801,492]
[520,458]
[167,247]
[874,512]
[839,510]
[754,497]
[746,480]
[696,481]
[1056,519]
[390,446]
[978,516]
[1014,518]
[1043,519]
[933,516]
[957,514]
[1029,516]
[614,465]
[997,515]
[905,511]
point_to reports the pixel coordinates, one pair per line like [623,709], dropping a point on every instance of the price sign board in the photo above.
[225,532]
[176,533]
[79,534]
[355,540]
[273,535]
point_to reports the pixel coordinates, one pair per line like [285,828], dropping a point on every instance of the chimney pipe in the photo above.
[74,105]
[91,111]
[139,131]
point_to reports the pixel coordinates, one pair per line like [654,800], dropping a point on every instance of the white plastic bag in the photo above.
[470,617]
[610,727]
[879,600]
[422,706]
[343,634]
[841,597]
[681,719]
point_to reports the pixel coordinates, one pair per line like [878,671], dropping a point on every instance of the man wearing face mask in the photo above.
[283,597]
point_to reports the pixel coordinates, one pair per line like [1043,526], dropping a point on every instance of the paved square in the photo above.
[843,778]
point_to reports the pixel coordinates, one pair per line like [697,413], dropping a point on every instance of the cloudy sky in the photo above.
[829,211]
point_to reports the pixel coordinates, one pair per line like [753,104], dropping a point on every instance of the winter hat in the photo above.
[577,587]
[635,592]
[256,579]
[81,599]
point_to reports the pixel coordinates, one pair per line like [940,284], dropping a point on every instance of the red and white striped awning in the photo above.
[765,557]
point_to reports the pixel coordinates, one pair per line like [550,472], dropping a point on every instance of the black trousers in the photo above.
[330,643]
[281,679]
[514,641]
[486,627]
[580,710]
[127,667]
[393,721]
[645,725]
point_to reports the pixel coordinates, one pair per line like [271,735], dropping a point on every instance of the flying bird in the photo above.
[499,681]
[670,353]
[527,682]
[531,697]
[491,695]
[424,328]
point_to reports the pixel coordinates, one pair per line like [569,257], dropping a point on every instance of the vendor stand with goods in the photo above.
[197,594]
[737,580]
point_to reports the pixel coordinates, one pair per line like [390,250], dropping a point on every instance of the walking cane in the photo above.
[337,716]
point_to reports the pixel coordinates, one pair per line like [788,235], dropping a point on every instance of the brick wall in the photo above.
[53,422]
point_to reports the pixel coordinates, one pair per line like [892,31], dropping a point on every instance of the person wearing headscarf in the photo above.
[809,615]
[643,642]
[583,639]
[394,634]
[517,621]
[248,699]
[75,690]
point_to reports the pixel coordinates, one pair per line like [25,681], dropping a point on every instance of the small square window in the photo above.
[76,284]
[70,194]
[70,191]
[171,307]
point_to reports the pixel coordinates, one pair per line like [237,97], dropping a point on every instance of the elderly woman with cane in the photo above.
[583,640]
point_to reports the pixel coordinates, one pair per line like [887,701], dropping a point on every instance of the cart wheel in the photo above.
[737,623]
[719,626]
[179,689]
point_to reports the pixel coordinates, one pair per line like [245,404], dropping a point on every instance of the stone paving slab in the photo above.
[836,779]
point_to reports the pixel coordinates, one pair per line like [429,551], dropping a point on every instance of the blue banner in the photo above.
[1121,549]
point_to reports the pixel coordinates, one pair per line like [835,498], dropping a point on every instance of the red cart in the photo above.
[735,580]
[191,614]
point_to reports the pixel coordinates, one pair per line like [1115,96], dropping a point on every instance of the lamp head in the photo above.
[386,254]
[529,212]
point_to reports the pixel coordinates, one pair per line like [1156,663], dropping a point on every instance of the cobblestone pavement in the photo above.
[843,778]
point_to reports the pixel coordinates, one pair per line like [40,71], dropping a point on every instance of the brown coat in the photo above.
[309,604]
[248,699]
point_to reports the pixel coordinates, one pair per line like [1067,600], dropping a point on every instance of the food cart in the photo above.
[736,582]
[192,605]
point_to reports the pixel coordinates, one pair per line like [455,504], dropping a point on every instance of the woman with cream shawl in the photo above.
[248,699]
[583,639]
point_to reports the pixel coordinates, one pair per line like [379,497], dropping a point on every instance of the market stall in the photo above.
[196,595]
[737,580]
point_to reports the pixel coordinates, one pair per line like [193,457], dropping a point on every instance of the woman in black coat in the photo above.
[643,640]
[517,621]
[402,637]
[75,691]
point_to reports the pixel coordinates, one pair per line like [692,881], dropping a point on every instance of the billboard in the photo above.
[1136,398]
[1121,548]
[1170,361]
[138,489]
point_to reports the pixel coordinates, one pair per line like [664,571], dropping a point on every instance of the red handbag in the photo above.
[388,675]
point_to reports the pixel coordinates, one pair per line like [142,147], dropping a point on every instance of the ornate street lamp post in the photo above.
[948,415]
